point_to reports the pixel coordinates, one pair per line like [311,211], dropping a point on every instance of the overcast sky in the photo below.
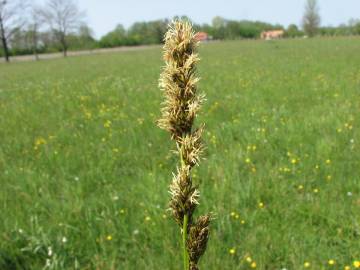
[104,15]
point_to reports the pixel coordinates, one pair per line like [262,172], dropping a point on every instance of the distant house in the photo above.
[273,34]
[201,36]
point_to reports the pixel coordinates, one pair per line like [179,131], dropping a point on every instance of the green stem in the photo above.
[186,259]
[185,223]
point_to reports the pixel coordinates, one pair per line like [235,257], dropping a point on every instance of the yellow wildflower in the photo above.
[39,141]
[107,124]
[307,264]
[232,251]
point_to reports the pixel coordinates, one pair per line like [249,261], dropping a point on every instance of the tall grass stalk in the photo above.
[178,82]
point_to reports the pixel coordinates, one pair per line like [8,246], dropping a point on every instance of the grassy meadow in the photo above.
[84,171]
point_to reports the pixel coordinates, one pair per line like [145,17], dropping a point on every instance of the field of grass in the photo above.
[84,171]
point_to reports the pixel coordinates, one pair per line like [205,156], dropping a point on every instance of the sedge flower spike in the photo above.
[178,82]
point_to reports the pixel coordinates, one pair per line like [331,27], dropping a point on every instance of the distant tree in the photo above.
[356,29]
[48,42]
[311,19]
[293,31]
[147,32]
[343,30]
[354,25]
[82,39]
[249,29]
[219,24]
[205,28]
[36,20]
[158,29]
[139,34]
[117,37]
[64,18]
[19,42]
[352,22]
[11,20]
[85,31]
[85,37]
[182,18]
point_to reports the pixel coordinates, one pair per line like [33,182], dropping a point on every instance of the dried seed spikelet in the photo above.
[184,197]
[192,147]
[178,80]
[197,241]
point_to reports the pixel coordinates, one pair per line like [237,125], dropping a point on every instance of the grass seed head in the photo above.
[181,104]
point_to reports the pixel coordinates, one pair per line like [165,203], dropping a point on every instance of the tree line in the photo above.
[26,28]
[59,26]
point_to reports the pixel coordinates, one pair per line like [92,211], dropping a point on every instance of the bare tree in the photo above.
[11,20]
[63,17]
[311,19]
[36,20]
